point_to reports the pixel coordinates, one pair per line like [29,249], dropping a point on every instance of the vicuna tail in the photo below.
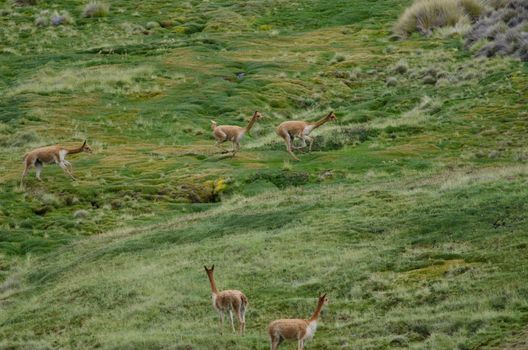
[213,124]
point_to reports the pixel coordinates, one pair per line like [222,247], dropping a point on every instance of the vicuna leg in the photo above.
[236,147]
[220,137]
[66,170]
[238,309]
[68,164]
[243,317]
[275,341]
[310,142]
[303,145]
[288,141]
[38,169]
[232,322]
[27,165]
[301,344]
[221,314]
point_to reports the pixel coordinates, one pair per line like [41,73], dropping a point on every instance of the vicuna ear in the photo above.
[212,267]
[205,267]
[84,144]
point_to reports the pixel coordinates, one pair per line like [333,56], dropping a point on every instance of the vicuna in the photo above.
[291,129]
[295,329]
[51,155]
[228,300]
[223,133]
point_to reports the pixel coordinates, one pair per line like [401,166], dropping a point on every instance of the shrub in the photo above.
[96,9]
[501,32]
[425,15]
[61,18]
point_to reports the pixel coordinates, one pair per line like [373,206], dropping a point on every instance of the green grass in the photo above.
[410,211]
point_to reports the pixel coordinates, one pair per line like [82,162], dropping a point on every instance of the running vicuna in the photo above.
[50,155]
[289,130]
[228,300]
[223,133]
[295,329]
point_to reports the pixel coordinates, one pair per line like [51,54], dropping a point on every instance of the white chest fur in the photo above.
[62,154]
[308,129]
[214,300]
[310,331]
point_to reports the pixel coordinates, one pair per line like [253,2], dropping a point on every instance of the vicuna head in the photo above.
[209,271]
[331,116]
[86,148]
[323,300]
[257,115]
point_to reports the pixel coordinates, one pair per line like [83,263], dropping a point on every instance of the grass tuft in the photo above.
[424,16]
[96,9]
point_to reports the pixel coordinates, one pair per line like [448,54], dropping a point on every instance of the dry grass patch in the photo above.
[423,16]
[106,79]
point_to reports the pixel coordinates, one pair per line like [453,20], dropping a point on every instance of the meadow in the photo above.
[410,212]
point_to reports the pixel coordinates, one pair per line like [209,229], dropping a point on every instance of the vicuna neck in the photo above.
[251,123]
[212,281]
[321,122]
[74,150]
[317,312]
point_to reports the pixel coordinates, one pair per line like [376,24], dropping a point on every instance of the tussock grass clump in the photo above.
[426,15]
[401,67]
[6,11]
[44,18]
[338,58]
[152,25]
[61,18]
[80,214]
[503,32]
[391,81]
[25,2]
[96,9]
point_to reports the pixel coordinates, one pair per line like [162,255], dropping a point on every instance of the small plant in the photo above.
[80,214]
[391,81]
[96,9]
[152,25]
[42,19]
[401,67]
[337,58]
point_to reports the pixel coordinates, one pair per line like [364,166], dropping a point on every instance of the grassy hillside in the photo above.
[410,212]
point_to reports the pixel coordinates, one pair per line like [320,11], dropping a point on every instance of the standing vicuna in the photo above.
[295,329]
[223,133]
[50,155]
[228,300]
[291,129]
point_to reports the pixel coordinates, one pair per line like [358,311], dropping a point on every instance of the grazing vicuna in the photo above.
[223,133]
[295,329]
[291,129]
[51,155]
[228,300]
